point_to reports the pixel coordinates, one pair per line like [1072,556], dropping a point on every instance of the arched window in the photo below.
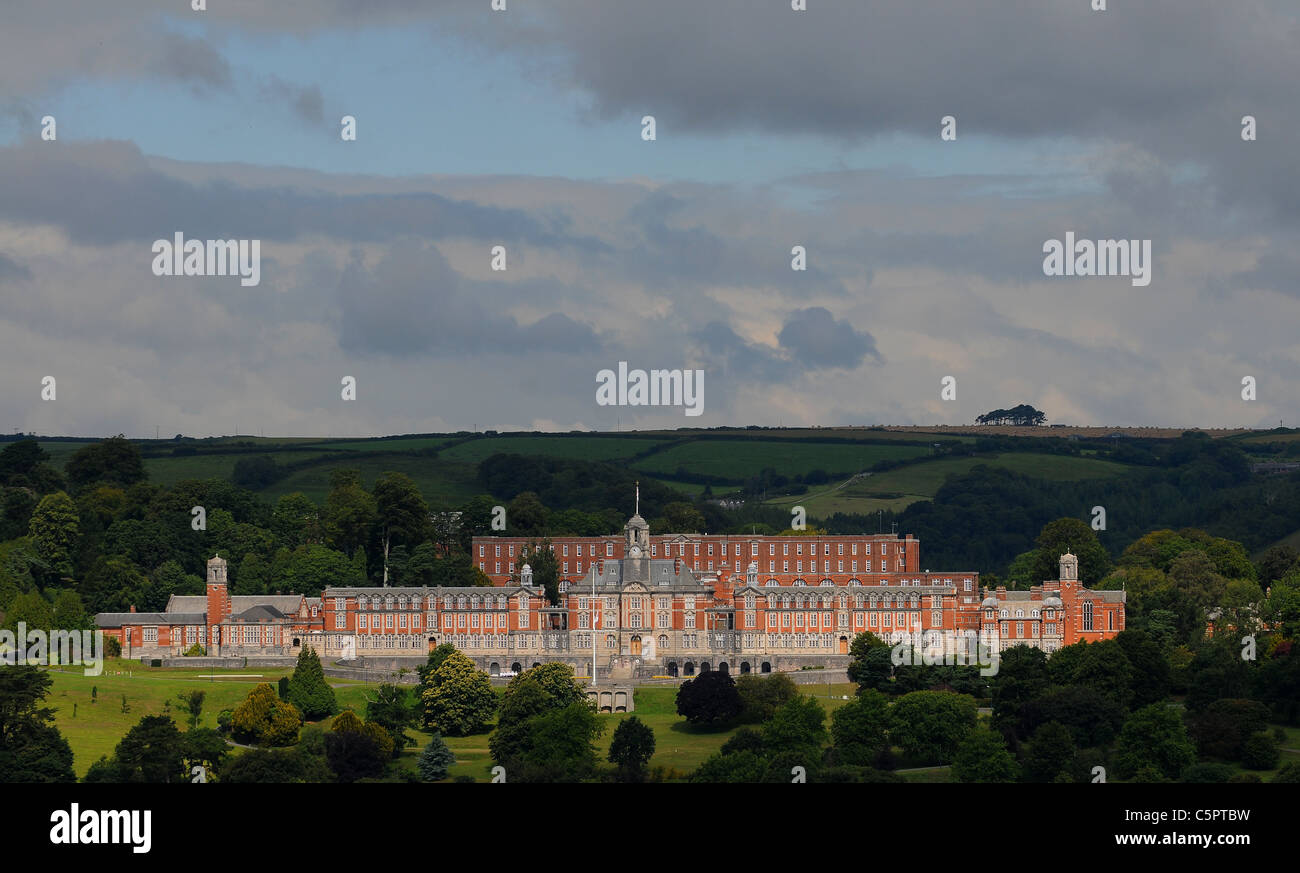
[663,642]
[771,583]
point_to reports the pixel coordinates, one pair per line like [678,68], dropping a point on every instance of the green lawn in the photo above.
[97,728]
[740,459]
[922,481]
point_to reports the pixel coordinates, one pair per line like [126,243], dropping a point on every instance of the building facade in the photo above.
[222,624]
[643,609]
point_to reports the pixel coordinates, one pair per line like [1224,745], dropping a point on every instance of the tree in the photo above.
[349,512]
[355,749]
[526,515]
[631,748]
[152,752]
[761,696]
[265,719]
[295,521]
[115,460]
[870,665]
[54,529]
[797,730]
[559,748]
[31,747]
[436,657]
[1070,535]
[403,515]
[556,681]
[435,760]
[1260,752]
[709,699]
[391,709]
[457,698]
[930,725]
[264,766]
[1151,678]
[1154,737]
[308,690]
[192,702]
[983,757]
[1049,752]
[859,729]
[1022,677]
[206,748]
[543,690]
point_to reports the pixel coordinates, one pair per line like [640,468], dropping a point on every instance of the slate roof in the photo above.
[286,603]
[117,619]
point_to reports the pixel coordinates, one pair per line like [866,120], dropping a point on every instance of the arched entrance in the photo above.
[636,645]
[744,667]
[516,667]
[765,667]
[536,664]
[297,641]
[724,667]
[844,645]
[494,669]
[688,669]
[704,667]
[672,668]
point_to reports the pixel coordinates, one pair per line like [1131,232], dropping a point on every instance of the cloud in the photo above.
[817,339]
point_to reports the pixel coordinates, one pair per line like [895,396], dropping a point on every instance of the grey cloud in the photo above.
[816,339]
[413,303]
[120,196]
[11,269]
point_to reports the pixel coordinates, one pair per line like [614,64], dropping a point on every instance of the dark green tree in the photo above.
[710,699]
[308,690]
[631,748]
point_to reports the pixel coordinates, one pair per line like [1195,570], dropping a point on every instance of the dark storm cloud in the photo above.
[816,339]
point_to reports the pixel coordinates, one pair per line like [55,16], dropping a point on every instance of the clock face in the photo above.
[636,551]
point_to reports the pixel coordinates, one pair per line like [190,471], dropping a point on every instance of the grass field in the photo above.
[98,727]
[169,471]
[574,448]
[739,459]
[922,481]
[441,482]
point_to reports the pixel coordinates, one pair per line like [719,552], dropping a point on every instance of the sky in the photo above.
[523,129]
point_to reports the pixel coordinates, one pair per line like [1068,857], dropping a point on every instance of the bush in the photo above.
[1207,773]
[1290,774]
[195,651]
[1260,752]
